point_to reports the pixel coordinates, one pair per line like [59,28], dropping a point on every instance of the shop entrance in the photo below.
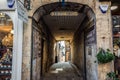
[6,46]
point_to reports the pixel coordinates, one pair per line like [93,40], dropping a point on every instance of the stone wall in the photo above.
[104,37]
[36,52]
[78,53]
[81,58]
[26,62]
[33,70]
[48,50]
[103,29]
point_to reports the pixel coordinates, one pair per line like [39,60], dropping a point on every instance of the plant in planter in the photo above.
[111,76]
[104,56]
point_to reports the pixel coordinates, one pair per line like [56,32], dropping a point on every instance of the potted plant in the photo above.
[104,56]
[111,76]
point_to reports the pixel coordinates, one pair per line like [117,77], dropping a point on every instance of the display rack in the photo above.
[5,70]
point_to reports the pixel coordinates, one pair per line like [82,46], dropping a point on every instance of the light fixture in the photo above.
[2,15]
[114,7]
[117,26]
[64,13]
[12,31]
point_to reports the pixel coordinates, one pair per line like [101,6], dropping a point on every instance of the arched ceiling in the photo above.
[63,26]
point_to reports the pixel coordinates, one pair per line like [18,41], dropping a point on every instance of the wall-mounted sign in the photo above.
[10,3]
[22,12]
[7,4]
[64,13]
[103,8]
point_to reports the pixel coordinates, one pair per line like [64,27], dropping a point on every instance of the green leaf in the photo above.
[104,56]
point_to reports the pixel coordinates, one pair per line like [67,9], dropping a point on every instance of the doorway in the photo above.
[90,54]
[63,51]
[6,46]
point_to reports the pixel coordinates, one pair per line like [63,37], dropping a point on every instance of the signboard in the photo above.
[90,38]
[64,13]
[22,12]
[7,4]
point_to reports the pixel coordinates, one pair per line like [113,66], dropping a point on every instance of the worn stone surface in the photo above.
[104,37]
[62,71]
[103,29]
[77,54]
[26,62]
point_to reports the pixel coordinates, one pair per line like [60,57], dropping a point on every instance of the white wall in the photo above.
[17,44]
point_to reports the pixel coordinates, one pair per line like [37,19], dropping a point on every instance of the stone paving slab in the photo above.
[62,71]
[62,78]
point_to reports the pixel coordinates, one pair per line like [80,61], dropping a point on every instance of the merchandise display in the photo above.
[6,47]
[116,43]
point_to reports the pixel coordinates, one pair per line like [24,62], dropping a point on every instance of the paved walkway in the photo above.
[62,71]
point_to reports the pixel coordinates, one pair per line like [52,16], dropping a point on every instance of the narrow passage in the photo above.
[62,71]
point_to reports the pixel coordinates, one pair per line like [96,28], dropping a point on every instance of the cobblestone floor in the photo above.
[62,71]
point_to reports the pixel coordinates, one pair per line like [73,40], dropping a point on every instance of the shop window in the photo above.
[116,43]
[6,46]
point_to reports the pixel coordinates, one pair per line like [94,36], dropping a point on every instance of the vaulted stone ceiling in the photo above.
[63,27]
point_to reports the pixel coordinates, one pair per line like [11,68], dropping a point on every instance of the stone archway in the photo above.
[103,27]
[87,21]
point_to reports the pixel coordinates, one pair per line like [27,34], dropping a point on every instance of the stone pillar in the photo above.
[104,37]
[26,63]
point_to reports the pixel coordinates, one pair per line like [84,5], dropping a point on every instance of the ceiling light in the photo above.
[2,15]
[12,31]
[114,7]
[117,26]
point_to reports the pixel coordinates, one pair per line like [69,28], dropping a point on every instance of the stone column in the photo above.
[26,63]
[104,37]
